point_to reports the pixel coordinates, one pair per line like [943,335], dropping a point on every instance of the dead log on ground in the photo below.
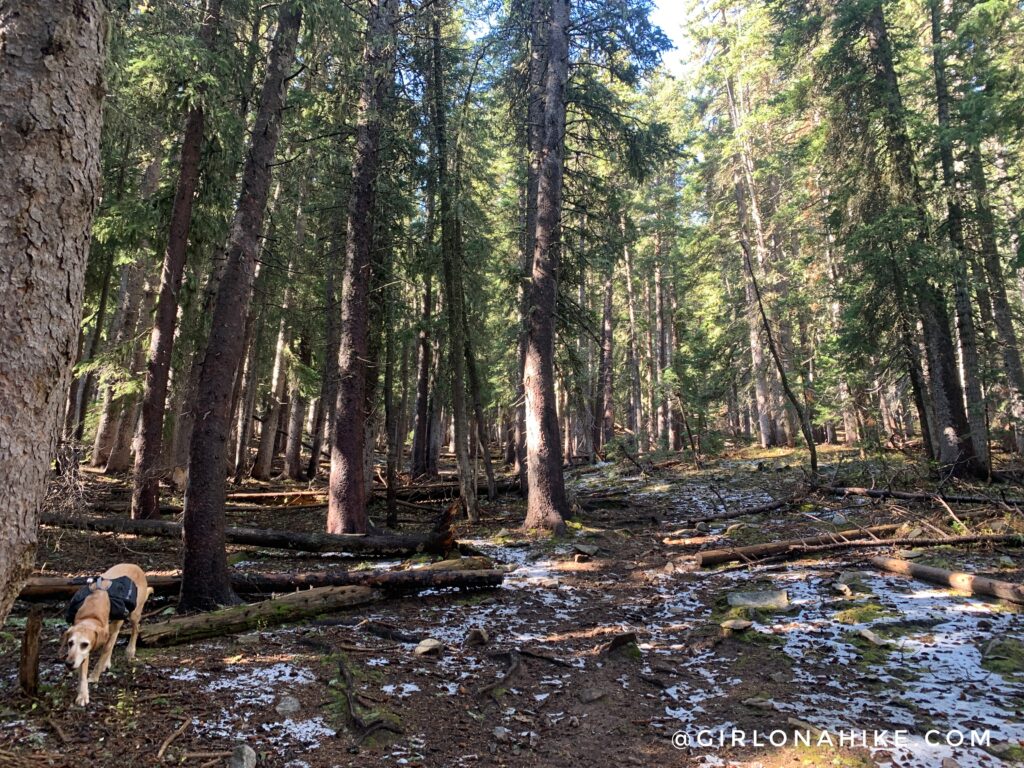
[773,549]
[370,545]
[760,509]
[40,588]
[965,582]
[881,493]
[239,618]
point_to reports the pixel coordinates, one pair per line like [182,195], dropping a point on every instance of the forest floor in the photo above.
[853,652]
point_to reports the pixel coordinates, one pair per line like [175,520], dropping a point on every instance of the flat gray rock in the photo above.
[772,600]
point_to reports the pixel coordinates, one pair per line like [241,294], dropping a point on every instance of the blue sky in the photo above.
[669,15]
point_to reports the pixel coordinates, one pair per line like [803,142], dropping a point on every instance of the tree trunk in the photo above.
[120,458]
[955,448]
[121,330]
[452,281]
[1002,314]
[146,473]
[51,92]
[272,417]
[421,429]
[205,581]
[547,505]
[329,371]
[348,494]
[966,332]
[296,420]
[604,407]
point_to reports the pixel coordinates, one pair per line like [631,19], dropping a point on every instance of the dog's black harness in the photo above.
[123,593]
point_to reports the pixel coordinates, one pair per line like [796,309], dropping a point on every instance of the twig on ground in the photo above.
[170,739]
[512,668]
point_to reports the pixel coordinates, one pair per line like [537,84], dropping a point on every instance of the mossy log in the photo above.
[965,582]
[239,618]
[370,545]
[456,575]
[776,548]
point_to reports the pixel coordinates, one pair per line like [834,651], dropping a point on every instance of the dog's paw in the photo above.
[82,700]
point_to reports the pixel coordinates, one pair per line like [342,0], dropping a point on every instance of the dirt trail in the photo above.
[875,652]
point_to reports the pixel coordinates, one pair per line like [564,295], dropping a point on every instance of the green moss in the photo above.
[865,613]
[1005,657]
[1013,754]
[869,654]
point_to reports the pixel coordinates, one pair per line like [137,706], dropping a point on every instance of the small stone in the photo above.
[703,527]
[429,647]
[779,677]
[1000,526]
[573,722]
[1006,562]
[590,695]
[949,762]
[581,558]
[477,636]
[842,589]
[502,734]
[909,554]
[734,528]
[244,756]
[586,549]
[287,705]
[759,702]
[872,638]
[775,599]
[736,625]
[250,638]
[838,519]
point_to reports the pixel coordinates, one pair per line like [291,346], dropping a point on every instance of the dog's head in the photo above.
[78,641]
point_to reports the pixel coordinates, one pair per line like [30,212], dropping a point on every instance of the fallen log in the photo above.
[40,588]
[771,549]
[421,491]
[965,582]
[373,544]
[239,618]
[882,493]
[760,509]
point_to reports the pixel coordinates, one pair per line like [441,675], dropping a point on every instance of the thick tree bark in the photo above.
[146,480]
[348,493]
[51,92]
[205,581]
[547,505]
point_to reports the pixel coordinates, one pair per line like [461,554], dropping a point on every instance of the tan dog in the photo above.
[93,629]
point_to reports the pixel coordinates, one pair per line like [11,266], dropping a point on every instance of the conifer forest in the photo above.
[512,383]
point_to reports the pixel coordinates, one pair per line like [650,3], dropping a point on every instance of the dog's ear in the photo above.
[100,637]
[64,636]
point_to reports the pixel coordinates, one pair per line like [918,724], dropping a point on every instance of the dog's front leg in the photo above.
[83,684]
[104,661]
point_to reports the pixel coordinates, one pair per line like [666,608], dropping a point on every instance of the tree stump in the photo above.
[28,668]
